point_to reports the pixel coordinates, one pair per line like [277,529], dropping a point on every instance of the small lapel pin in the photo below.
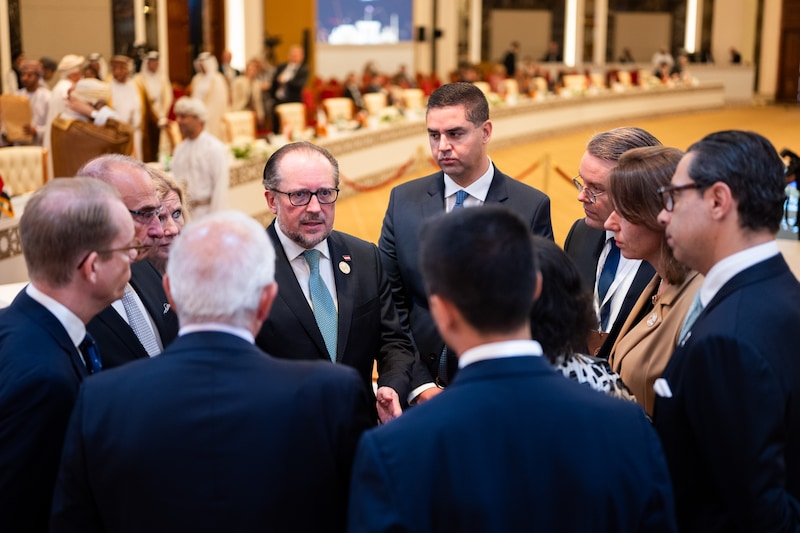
[344,267]
[661,387]
[166,308]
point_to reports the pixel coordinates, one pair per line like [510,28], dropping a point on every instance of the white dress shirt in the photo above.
[626,271]
[294,252]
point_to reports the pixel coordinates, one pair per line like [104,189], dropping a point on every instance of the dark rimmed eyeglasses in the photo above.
[140,248]
[667,193]
[145,215]
[581,186]
[300,198]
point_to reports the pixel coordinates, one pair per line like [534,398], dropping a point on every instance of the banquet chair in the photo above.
[24,168]
[483,86]
[292,116]
[414,99]
[374,102]
[338,108]
[239,124]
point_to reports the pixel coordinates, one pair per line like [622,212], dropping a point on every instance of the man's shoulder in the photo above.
[351,241]
[418,185]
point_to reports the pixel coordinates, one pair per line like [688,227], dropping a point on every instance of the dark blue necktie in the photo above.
[607,275]
[91,355]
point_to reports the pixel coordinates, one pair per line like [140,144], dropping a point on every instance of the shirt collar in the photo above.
[216,326]
[478,189]
[727,268]
[76,329]
[294,250]
[499,350]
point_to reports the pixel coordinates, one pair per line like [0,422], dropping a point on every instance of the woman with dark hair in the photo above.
[561,318]
[650,334]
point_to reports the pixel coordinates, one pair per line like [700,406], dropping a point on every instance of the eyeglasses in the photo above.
[299,198]
[667,193]
[590,194]
[145,215]
[139,247]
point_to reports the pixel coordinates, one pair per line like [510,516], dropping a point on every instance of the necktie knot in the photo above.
[312,258]
[461,195]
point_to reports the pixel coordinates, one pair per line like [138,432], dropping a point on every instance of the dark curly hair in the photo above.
[563,315]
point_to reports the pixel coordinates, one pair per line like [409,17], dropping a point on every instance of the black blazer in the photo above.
[115,339]
[731,430]
[214,435]
[369,328]
[584,246]
[294,87]
[40,372]
[409,205]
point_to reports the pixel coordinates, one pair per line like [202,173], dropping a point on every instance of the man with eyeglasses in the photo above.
[728,405]
[141,323]
[334,303]
[78,242]
[201,160]
[617,282]
[459,131]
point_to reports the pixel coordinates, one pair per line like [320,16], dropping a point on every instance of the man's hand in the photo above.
[79,106]
[388,404]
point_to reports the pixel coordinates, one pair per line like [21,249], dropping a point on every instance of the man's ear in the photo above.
[721,199]
[538,292]
[271,201]
[89,267]
[266,300]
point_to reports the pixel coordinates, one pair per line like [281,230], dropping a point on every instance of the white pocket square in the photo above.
[662,388]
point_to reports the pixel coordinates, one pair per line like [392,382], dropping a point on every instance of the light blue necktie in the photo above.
[91,355]
[607,275]
[322,303]
[694,312]
[460,197]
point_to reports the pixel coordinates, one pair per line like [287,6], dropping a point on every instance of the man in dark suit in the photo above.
[589,245]
[215,435]
[458,130]
[301,181]
[495,451]
[76,236]
[728,406]
[288,82]
[141,323]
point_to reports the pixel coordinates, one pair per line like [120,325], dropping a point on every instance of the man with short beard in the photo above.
[334,303]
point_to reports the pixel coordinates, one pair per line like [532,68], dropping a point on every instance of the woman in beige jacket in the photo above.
[650,334]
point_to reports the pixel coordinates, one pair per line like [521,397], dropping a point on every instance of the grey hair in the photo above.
[218,267]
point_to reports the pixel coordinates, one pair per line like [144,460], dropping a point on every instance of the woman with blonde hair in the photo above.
[173,216]
[650,334]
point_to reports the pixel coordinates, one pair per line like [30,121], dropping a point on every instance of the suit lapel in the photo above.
[770,268]
[345,288]
[146,281]
[292,295]
[434,204]
[498,193]
[119,327]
